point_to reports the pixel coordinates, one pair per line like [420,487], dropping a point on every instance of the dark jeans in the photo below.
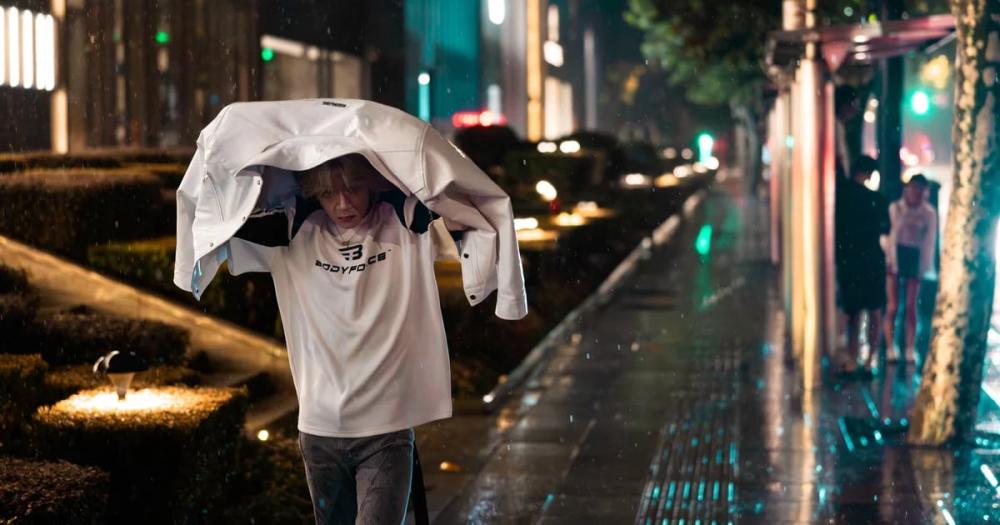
[359,480]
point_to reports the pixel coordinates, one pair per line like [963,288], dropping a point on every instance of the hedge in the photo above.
[18,324]
[170,174]
[21,379]
[15,162]
[81,335]
[97,158]
[13,280]
[247,300]
[168,464]
[269,486]
[62,382]
[570,174]
[46,492]
[67,210]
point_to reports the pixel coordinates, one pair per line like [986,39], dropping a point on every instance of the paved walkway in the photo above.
[678,405]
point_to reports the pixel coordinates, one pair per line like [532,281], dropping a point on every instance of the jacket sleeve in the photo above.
[187,200]
[456,189]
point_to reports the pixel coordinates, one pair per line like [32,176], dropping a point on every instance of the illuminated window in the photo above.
[3,46]
[13,47]
[27,49]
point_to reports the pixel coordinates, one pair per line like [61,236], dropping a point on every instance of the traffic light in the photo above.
[705,144]
[162,37]
[267,54]
[920,102]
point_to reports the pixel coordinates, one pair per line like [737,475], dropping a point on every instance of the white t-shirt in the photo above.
[915,227]
[363,325]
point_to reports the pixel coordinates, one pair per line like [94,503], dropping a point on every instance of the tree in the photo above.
[945,407]
[716,50]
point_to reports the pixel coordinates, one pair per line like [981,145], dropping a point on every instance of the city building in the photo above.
[79,74]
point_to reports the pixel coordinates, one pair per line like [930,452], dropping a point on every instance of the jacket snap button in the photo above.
[211,244]
[473,297]
[465,255]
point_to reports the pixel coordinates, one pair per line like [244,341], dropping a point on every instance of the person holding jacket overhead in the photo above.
[339,201]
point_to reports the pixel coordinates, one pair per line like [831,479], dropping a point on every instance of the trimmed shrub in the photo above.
[81,335]
[170,451]
[170,174]
[45,492]
[269,486]
[18,324]
[67,210]
[96,158]
[63,382]
[570,174]
[180,155]
[13,280]
[15,162]
[21,379]
[247,300]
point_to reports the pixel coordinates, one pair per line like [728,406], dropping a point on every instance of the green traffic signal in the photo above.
[705,144]
[162,37]
[920,103]
[267,54]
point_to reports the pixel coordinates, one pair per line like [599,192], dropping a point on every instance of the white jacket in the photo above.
[242,152]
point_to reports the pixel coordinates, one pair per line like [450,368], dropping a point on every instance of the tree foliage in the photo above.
[716,49]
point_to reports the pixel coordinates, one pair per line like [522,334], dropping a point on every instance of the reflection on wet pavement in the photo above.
[679,405]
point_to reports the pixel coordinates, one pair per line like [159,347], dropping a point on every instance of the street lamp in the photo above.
[424,96]
[120,369]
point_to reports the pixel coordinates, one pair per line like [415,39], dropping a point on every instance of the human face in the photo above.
[345,206]
[914,194]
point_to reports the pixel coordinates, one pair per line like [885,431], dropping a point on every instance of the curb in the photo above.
[530,367]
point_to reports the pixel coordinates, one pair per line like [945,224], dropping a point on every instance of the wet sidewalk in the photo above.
[677,405]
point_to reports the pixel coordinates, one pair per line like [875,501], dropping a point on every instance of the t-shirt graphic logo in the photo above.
[351,253]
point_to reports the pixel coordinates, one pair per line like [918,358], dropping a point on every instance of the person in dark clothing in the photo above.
[862,217]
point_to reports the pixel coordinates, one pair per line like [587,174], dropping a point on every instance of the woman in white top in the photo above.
[910,256]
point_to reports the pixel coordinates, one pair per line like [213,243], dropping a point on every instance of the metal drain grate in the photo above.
[692,477]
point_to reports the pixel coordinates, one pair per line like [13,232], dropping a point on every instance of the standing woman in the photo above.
[910,251]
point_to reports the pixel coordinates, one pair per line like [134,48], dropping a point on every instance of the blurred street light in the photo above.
[525,223]
[497,11]
[546,190]
[547,147]
[569,146]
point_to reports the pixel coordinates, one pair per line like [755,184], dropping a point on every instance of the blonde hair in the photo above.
[353,169]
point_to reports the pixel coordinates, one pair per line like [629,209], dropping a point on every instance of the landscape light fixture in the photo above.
[120,368]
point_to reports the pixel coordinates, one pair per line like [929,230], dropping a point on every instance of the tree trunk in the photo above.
[945,408]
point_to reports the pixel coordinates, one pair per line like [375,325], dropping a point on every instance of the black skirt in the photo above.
[908,261]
